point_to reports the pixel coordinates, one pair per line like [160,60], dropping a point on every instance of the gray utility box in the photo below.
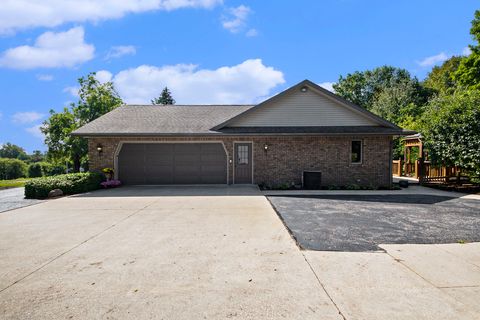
[312,180]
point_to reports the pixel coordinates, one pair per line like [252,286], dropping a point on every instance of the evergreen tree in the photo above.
[164,98]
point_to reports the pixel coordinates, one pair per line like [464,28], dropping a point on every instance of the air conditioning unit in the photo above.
[312,180]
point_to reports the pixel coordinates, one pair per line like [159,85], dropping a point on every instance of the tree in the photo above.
[363,87]
[96,99]
[441,78]
[62,146]
[12,169]
[468,73]
[164,98]
[12,151]
[451,129]
[400,102]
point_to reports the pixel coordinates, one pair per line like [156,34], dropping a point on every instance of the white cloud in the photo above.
[433,60]
[120,51]
[252,33]
[73,90]
[27,117]
[327,85]
[44,77]
[236,19]
[466,51]
[51,50]
[103,76]
[22,14]
[247,82]
[35,131]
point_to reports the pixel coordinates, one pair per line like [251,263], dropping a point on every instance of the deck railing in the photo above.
[425,171]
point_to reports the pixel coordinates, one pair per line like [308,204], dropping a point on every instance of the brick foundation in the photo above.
[287,157]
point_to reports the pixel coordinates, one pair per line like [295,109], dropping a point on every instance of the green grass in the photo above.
[13,183]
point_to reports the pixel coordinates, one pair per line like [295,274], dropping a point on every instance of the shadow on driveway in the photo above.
[361,222]
[175,191]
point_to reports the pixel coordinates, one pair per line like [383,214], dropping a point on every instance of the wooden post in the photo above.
[421,169]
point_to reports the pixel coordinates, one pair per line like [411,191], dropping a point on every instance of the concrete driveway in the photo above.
[211,253]
[163,253]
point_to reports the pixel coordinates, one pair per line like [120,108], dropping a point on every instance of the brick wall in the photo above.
[287,157]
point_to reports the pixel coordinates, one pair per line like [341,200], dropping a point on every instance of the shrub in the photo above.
[35,170]
[71,183]
[12,169]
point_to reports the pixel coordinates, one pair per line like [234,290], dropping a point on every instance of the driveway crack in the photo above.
[323,287]
[74,247]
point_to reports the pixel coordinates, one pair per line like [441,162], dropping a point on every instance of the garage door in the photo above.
[172,163]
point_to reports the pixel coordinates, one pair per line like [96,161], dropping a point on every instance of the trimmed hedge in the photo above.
[12,169]
[71,183]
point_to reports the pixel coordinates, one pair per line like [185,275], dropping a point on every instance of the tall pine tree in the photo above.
[164,98]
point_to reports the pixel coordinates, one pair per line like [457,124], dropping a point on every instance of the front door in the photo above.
[243,163]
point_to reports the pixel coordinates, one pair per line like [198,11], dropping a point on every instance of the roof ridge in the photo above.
[188,105]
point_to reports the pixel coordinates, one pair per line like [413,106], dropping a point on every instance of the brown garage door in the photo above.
[172,163]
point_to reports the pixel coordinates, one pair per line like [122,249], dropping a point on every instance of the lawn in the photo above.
[13,183]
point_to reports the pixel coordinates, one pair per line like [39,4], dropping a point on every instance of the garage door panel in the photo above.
[172,163]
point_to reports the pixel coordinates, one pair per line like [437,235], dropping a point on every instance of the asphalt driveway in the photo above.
[14,198]
[155,253]
[362,222]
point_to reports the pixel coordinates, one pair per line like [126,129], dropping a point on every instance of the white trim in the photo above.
[121,142]
[235,159]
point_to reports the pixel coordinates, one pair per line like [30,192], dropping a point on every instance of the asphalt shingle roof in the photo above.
[156,119]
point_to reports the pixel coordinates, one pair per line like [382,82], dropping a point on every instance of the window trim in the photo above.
[361,151]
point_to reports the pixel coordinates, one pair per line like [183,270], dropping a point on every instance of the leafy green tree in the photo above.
[96,99]
[36,156]
[165,98]
[451,129]
[401,102]
[62,146]
[12,151]
[12,169]
[441,78]
[468,73]
[363,87]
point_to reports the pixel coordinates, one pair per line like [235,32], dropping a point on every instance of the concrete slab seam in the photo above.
[323,287]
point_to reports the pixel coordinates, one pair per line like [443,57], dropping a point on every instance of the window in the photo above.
[242,154]
[356,153]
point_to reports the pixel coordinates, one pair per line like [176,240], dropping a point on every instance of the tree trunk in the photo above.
[76,163]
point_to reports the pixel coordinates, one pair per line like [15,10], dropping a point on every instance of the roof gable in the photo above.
[305,105]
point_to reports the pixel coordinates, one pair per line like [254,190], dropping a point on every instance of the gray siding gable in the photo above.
[313,107]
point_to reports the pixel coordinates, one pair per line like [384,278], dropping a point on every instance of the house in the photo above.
[304,128]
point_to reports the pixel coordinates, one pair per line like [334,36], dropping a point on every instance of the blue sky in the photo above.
[207,51]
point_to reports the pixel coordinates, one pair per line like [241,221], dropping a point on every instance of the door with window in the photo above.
[243,163]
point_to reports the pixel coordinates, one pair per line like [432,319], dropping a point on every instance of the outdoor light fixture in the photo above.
[304,89]
[265,146]
[99,148]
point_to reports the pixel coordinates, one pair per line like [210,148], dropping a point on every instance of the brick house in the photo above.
[304,128]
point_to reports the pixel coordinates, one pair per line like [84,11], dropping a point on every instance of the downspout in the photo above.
[390,179]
